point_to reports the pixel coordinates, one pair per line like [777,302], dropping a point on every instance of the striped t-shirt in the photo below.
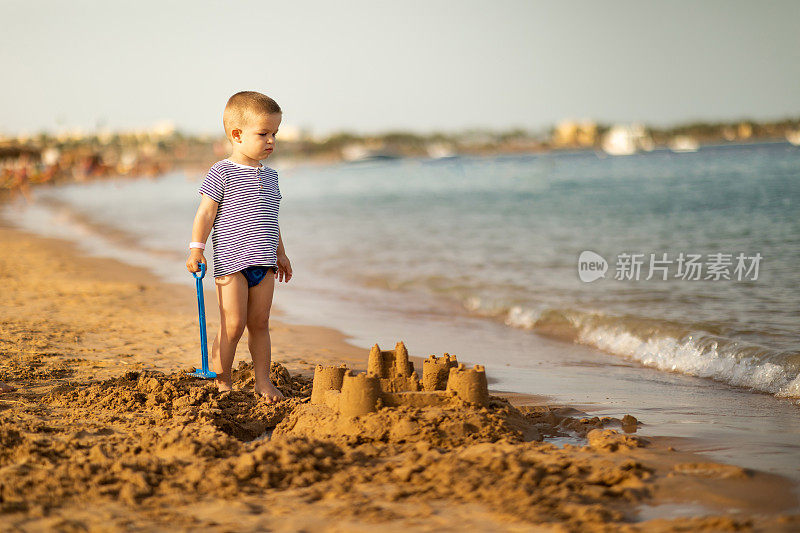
[245,231]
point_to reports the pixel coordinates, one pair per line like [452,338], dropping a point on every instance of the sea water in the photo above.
[685,313]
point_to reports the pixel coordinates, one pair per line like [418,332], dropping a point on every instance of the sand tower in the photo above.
[375,363]
[469,384]
[392,367]
[402,366]
[388,364]
[325,379]
[436,371]
[360,394]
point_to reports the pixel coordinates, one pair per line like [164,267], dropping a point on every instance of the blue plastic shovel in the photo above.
[203,372]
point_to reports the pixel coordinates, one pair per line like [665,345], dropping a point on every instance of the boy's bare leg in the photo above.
[232,298]
[258,308]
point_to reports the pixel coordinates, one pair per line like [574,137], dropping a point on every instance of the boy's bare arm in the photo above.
[281,250]
[203,221]
[284,272]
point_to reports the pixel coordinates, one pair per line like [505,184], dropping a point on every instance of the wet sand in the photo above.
[106,432]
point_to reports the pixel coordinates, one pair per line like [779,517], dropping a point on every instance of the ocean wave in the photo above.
[693,349]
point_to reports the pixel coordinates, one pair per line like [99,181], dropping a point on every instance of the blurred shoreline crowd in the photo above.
[47,159]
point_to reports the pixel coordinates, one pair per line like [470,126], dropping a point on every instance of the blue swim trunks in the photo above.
[255,274]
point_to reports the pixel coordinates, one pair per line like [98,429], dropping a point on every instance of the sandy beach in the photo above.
[106,432]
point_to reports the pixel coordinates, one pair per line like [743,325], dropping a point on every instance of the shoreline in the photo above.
[71,321]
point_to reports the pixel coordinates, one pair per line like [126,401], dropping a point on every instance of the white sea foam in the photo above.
[692,357]
[695,355]
[520,317]
[792,390]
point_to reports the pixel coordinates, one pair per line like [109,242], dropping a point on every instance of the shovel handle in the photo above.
[202,271]
[201,311]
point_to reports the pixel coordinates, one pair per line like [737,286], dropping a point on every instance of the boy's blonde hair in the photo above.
[244,106]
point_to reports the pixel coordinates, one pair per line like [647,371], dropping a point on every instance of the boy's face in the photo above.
[256,139]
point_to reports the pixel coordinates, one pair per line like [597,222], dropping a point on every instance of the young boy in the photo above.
[240,200]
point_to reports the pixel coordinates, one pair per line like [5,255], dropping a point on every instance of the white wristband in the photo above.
[200,245]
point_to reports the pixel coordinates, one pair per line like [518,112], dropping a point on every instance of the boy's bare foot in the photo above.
[5,387]
[271,393]
[222,386]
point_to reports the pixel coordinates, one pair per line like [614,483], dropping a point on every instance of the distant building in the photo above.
[572,134]
[745,130]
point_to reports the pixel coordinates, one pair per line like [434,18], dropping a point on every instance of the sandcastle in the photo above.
[391,381]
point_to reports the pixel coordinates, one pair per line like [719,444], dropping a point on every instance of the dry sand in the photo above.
[105,432]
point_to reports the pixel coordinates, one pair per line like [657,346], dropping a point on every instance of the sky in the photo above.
[375,66]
